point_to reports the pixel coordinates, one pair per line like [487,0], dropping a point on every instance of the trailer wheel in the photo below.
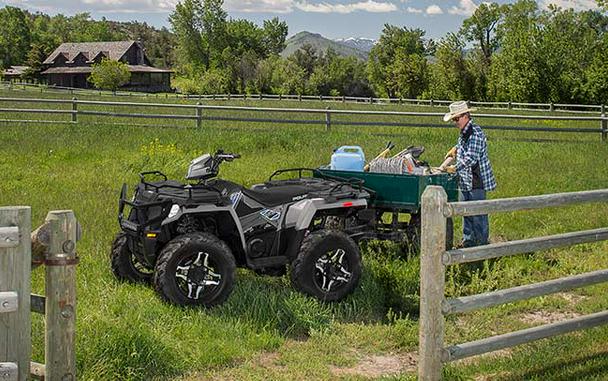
[125,265]
[195,269]
[328,266]
[411,239]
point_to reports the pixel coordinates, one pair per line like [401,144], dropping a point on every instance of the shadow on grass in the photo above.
[594,366]
[389,286]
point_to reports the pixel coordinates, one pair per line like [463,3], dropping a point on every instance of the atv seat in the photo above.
[277,195]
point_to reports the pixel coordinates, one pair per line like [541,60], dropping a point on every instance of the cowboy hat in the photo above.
[457,108]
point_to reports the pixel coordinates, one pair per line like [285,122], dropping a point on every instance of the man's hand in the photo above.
[450,153]
[450,169]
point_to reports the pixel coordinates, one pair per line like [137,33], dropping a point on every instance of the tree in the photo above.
[450,74]
[275,32]
[214,30]
[399,54]
[288,78]
[110,74]
[567,44]
[336,75]
[187,26]
[84,29]
[14,37]
[481,28]
[306,58]
[517,70]
[596,75]
[35,57]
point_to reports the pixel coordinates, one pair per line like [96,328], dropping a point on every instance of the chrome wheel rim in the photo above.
[196,276]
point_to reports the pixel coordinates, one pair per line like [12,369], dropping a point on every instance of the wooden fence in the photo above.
[54,246]
[434,259]
[197,113]
[551,107]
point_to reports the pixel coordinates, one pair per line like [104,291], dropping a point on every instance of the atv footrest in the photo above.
[259,263]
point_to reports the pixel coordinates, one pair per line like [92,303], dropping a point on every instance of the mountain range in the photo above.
[356,47]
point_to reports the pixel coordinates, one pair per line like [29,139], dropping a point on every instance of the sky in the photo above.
[331,18]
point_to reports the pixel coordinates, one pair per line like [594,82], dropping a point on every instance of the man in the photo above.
[474,170]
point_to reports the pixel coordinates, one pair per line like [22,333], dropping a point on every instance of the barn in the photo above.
[71,64]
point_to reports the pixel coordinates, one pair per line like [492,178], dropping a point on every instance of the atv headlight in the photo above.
[174,210]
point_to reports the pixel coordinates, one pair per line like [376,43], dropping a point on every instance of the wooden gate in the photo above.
[54,246]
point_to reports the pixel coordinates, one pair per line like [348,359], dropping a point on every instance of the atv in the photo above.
[187,238]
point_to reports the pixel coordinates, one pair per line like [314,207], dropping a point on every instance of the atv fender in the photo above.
[301,214]
[210,209]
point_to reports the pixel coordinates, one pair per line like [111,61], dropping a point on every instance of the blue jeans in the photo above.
[476,229]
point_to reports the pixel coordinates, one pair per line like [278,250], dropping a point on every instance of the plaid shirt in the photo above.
[472,149]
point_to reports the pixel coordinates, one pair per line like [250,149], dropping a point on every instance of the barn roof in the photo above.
[113,50]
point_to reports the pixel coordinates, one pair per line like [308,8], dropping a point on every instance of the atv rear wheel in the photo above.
[125,265]
[195,269]
[328,266]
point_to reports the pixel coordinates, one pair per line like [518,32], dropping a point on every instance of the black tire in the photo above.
[449,234]
[411,239]
[410,244]
[125,266]
[328,266]
[195,269]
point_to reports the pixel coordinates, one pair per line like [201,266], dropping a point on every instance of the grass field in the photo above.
[266,331]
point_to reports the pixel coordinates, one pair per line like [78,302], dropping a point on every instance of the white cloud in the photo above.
[464,8]
[108,6]
[578,5]
[365,6]
[263,6]
[413,10]
[434,10]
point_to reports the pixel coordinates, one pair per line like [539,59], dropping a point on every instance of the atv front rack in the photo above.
[191,190]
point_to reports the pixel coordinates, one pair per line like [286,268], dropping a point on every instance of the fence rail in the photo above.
[199,113]
[552,107]
[434,259]
[52,244]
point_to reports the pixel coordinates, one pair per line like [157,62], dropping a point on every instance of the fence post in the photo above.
[604,126]
[510,105]
[432,283]
[74,110]
[432,103]
[327,119]
[15,267]
[343,98]
[261,96]
[60,286]
[300,97]
[551,107]
[371,100]
[199,115]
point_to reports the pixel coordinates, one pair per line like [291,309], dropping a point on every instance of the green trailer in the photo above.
[394,206]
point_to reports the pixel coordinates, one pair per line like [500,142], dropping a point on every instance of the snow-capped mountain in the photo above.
[360,43]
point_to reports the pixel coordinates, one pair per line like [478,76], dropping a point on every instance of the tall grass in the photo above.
[125,332]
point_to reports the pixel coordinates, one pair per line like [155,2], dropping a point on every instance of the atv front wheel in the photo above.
[125,266]
[195,269]
[328,266]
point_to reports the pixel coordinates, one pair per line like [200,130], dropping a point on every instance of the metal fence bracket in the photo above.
[9,302]
[8,371]
[9,236]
